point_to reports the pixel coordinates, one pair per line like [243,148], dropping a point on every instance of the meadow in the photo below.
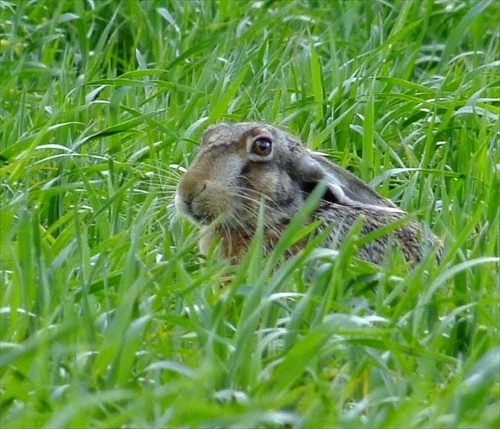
[109,316]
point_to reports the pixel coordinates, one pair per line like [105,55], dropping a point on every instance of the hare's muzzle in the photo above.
[202,201]
[186,194]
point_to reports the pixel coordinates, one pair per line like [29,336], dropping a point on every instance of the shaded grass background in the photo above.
[109,319]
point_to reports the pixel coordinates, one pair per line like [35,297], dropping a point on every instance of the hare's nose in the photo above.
[189,188]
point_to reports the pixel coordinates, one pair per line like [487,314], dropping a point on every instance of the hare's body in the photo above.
[242,166]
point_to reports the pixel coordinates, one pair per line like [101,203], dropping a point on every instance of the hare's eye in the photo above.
[262,146]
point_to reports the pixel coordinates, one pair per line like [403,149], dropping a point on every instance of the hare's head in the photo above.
[238,168]
[244,165]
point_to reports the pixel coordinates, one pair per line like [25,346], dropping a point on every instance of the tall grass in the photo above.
[109,318]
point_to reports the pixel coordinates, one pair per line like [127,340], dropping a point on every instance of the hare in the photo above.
[241,166]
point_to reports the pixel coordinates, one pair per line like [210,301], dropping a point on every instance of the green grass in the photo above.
[108,316]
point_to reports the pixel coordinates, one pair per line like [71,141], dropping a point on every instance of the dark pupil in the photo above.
[262,147]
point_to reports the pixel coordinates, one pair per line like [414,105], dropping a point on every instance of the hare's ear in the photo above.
[342,187]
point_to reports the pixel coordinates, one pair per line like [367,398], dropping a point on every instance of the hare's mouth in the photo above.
[192,210]
[210,219]
[202,219]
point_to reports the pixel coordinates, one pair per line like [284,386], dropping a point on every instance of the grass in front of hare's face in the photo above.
[110,318]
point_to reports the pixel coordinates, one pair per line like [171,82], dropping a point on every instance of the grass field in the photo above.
[109,318]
